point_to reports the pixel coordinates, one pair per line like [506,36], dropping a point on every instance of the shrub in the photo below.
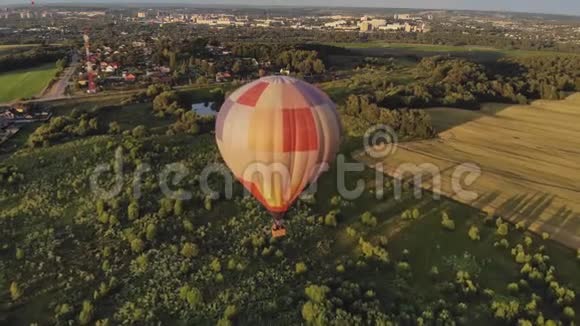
[301,268]
[474,233]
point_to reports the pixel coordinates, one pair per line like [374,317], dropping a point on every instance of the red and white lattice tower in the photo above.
[90,73]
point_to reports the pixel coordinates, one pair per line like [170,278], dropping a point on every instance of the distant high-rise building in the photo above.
[366,26]
[142,14]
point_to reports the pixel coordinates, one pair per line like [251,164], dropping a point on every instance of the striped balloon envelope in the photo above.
[277,134]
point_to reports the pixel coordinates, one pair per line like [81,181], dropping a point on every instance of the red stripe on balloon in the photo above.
[252,95]
[300,132]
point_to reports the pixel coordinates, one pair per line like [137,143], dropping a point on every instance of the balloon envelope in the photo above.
[277,134]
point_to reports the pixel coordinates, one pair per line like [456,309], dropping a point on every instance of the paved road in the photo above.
[57,89]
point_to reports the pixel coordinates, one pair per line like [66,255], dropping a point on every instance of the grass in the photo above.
[25,83]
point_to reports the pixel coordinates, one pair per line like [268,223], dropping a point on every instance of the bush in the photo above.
[301,268]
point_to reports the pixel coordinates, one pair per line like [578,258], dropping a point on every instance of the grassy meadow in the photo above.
[25,82]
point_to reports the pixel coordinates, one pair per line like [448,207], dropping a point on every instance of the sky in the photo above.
[569,7]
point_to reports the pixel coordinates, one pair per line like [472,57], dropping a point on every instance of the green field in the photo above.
[482,53]
[25,83]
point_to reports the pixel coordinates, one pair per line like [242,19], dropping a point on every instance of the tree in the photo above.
[189,250]
[194,297]
[474,233]
[368,219]
[502,229]
[139,131]
[151,232]
[133,211]
[15,292]
[19,254]
[215,265]
[114,127]
[569,313]
[87,313]
[301,268]
[447,222]
[137,245]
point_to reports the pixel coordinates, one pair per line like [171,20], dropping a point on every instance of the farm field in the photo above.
[528,158]
[480,53]
[25,83]
[15,48]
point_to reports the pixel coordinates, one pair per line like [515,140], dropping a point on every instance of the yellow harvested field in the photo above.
[529,157]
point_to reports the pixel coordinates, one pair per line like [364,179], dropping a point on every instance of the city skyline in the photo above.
[565,7]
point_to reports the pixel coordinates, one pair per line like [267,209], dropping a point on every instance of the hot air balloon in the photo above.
[277,135]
